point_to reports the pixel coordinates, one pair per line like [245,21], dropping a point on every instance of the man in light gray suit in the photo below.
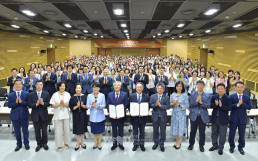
[199,102]
[159,102]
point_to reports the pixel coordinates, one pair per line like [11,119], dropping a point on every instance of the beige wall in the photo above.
[178,47]
[80,47]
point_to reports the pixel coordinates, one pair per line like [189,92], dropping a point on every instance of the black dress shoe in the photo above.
[84,147]
[45,147]
[77,148]
[177,147]
[213,148]
[135,147]
[142,147]
[121,147]
[190,147]
[231,150]
[27,147]
[201,148]
[241,151]
[38,148]
[220,152]
[162,148]
[154,147]
[17,148]
[113,147]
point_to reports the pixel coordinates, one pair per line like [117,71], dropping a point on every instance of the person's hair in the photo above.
[183,86]
[59,84]
[31,71]
[139,83]
[222,73]
[238,74]
[239,82]
[195,71]
[39,65]
[17,80]
[38,81]
[162,68]
[76,84]
[85,66]
[230,70]
[207,73]
[69,66]
[160,84]
[24,74]
[96,84]
[117,82]
[14,69]
[48,66]
[221,84]
[200,82]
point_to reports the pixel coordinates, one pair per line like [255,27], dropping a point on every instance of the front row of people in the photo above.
[61,101]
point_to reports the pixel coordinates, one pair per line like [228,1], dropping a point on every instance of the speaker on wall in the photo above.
[43,51]
[211,51]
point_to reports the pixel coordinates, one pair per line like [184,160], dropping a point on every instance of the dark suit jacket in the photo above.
[105,88]
[10,82]
[40,110]
[159,111]
[239,113]
[223,110]
[145,81]
[165,82]
[70,83]
[49,86]
[26,83]
[87,84]
[125,84]
[133,98]
[123,99]
[18,110]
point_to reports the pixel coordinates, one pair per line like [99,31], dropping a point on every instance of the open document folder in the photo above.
[139,109]
[117,111]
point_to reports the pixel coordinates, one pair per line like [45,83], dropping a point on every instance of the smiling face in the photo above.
[18,85]
[78,89]
[160,90]
[62,87]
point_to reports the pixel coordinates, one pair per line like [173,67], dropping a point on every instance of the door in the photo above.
[204,57]
[152,51]
[51,56]
[109,51]
[101,51]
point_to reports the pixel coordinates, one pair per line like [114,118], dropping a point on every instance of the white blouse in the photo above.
[208,89]
[60,112]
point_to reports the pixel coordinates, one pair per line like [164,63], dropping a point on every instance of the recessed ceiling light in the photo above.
[67,25]
[142,12]
[211,11]
[101,36]
[237,25]
[123,25]
[126,34]
[84,38]
[227,17]
[118,12]
[28,13]
[208,31]
[85,31]
[95,34]
[154,36]
[159,34]
[166,31]
[76,36]
[46,31]
[125,31]
[64,34]
[173,38]
[191,34]
[180,36]
[15,26]
[180,25]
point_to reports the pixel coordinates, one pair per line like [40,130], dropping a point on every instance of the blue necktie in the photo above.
[139,99]
[18,93]
[159,99]
[239,97]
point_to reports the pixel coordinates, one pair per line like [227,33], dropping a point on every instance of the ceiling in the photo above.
[143,18]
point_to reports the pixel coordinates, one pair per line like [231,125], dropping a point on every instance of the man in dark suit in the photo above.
[49,80]
[70,79]
[18,102]
[159,102]
[106,83]
[12,79]
[117,97]
[221,104]
[162,78]
[124,80]
[86,79]
[30,82]
[138,122]
[39,101]
[141,77]
[238,117]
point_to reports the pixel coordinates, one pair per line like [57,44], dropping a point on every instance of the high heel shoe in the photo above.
[77,148]
[95,147]
[84,147]
[99,148]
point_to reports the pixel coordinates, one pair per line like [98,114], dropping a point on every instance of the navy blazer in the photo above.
[133,98]
[87,84]
[145,81]
[40,110]
[18,110]
[49,86]
[70,83]
[123,99]
[159,111]
[239,113]
[105,88]
[125,84]
[10,82]
[26,83]
[165,82]
[223,110]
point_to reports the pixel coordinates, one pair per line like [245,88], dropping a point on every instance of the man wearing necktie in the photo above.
[162,78]
[159,102]
[49,80]
[143,78]
[70,79]
[86,79]
[18,102]
[12,79]
[124,80]
[138,122]
[30,82]
[106,83]
[38,101]
[238,117]
[117,97]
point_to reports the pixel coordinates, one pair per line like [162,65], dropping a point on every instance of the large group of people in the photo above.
[95,83]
